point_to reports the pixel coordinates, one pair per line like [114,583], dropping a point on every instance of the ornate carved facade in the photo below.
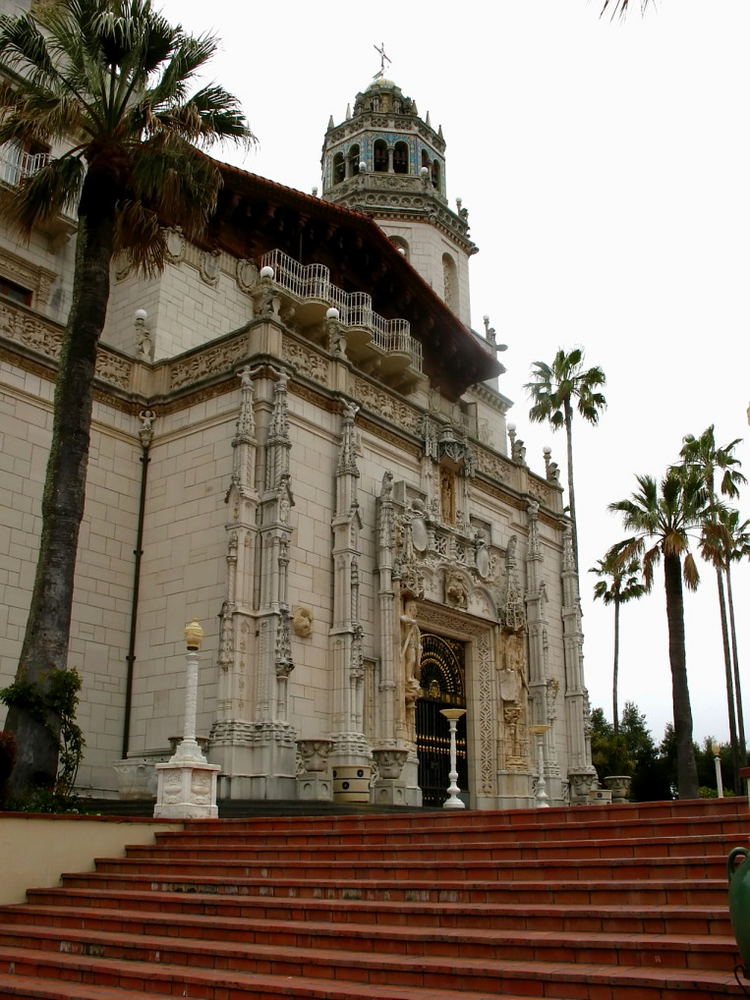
[327,483]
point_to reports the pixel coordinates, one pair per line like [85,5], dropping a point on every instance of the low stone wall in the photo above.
[37,849]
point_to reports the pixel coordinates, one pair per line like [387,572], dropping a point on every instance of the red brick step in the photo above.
[606,903]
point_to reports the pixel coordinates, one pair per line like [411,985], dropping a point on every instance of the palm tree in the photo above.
[621,584]
[727,540]
[710,462]
[662,516]
[558,389]
[108,81]
[621,6]
[738,539]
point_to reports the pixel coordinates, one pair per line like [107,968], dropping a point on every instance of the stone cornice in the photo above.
[33,343]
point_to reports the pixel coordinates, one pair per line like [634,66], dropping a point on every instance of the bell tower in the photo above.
[385,161]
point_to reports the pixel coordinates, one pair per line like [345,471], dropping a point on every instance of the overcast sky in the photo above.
[606,169]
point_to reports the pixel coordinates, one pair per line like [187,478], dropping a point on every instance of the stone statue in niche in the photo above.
[481,555]
[513,691]
[411,653]
[513,741]
[448,496]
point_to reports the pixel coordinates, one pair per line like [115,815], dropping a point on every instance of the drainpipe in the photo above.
[145,435]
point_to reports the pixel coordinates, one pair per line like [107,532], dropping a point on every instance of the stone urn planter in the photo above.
[314,755]
[619,785]
[390,762]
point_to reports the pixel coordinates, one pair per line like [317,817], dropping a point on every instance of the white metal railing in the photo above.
[313,281]
[16,163]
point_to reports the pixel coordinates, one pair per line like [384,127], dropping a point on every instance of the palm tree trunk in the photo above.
[687,772]
[571,489]
[736,665]
[45,645]
[615,669]
[731,710]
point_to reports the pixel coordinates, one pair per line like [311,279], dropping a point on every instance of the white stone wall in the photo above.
[426,248]
[104,570]
[184,311]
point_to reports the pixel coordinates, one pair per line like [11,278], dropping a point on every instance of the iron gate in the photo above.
[442,683]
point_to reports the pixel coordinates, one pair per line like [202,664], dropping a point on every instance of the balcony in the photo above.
[16,163]
[382,347]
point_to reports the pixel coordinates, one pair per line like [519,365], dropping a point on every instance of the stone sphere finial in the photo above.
[193,634]
[266,272]
[362,167]
[332,313]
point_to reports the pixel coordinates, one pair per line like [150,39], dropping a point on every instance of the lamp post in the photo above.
[453,801]
[716,750]
[540,795]
[186,783]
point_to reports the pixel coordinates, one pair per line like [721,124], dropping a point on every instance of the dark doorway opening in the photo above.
[442,679]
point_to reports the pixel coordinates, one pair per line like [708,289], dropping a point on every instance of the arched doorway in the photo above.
[442,679]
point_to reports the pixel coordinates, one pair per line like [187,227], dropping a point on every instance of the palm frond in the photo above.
[690,572]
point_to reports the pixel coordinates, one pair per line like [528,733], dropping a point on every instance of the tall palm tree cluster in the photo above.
[663,518]
[104,84]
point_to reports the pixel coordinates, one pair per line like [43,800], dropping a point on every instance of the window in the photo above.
[339,168]
[380,151]
[450,282]
[401,158]
[401,245]
[16,293]
[354,159]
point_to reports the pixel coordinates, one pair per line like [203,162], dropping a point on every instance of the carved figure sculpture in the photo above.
[302,622]
[455,591]
[411,653]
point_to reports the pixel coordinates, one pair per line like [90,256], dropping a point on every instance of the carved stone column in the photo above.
[350,753]
[581,772]
[536,600]
[252,738]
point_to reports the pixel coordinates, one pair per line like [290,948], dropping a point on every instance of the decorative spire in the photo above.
[513,611]
[246,420]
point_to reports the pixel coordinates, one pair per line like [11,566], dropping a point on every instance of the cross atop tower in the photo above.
[383,59]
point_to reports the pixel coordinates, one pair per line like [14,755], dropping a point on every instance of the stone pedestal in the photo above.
[314,782]
[388,788]
[186,785]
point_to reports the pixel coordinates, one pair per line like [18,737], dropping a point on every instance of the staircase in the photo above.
[599,903]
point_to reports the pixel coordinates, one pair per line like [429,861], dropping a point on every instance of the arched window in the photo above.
[401,245]
[354,159]
[426,159]
[401,158]
[339,168]
[450,282]
[380,156]
[436,174]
